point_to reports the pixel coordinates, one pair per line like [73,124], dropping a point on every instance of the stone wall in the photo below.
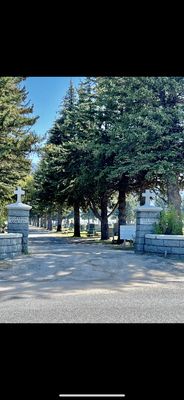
[164,244]
[10,245]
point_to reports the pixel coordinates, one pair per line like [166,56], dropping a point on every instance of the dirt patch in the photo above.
[5,264]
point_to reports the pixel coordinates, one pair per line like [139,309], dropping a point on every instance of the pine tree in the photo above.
[152,127]
[121,134]
[16,139]
[62,157]
[93,141]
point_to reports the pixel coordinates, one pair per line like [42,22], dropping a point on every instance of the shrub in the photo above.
[2,218]
[169,223]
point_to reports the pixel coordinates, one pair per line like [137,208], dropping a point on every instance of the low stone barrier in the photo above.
[164,244]
[10,245]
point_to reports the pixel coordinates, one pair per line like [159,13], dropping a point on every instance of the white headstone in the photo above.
[148,194]
[19,192]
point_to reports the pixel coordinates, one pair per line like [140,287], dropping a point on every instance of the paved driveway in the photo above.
[70,271]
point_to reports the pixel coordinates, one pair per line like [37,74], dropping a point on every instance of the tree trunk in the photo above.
[141,198]
[37,221]
[76,220]
[45,222]
[59,221]
[104,219]
[49,222]
[174,198]
[121,207]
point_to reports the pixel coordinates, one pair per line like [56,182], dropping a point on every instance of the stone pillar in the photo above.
[146,216]
[18,220]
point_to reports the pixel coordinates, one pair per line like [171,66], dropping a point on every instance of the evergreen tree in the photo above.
[62,157]
[92,119]
[152,127]
[16,139]
[121,134]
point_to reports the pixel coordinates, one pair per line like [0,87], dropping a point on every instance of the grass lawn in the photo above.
[94,239]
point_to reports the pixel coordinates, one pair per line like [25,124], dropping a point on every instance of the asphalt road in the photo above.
[134,306]
[68,281]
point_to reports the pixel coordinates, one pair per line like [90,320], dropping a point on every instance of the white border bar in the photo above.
[91,395]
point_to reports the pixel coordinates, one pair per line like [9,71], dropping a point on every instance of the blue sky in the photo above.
[46,94]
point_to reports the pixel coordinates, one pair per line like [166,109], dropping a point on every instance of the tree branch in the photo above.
[95,211]
[112,210]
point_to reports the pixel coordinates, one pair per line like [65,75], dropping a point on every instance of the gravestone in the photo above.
[18,218]
[90,228]
[146,216]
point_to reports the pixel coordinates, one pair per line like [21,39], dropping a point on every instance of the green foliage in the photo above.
[16,138]
[131,204]
[169,223]
[114,132]
[3,216]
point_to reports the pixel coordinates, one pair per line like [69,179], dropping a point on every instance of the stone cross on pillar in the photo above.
[19,192]
[147,195]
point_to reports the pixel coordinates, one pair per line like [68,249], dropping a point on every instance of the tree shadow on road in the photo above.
[56,267]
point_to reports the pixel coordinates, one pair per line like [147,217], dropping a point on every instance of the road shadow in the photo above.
[60,266]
